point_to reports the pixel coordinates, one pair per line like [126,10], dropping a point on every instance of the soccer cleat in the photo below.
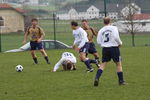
[48,62]
[123,83]
[89,70]
[35,60]
[97,63]
[96,82]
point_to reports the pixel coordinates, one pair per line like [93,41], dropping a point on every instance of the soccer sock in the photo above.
[87,63]
[92,61]
[97,59]
[99,73]
[47,60]
[120,76]
[35,60]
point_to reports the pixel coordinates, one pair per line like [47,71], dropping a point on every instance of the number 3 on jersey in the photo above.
[106,36]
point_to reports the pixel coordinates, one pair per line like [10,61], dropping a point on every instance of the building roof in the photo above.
[84,5]
[4,5]
[7,6]
[141,16]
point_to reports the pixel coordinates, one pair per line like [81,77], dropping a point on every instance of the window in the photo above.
[143,24]
[1,21]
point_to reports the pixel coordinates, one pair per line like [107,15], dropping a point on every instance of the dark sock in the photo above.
[87,63]
[35,60]
[97,59]
[47,60]
[98,74]
[92,61]
[120,76]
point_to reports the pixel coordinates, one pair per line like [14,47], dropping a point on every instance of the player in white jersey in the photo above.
[67,60]
[81,45]
[108,38]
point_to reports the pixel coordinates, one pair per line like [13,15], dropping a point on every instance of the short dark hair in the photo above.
[34,19]
[107,20]
[74,23]
[84,20]
[67,65]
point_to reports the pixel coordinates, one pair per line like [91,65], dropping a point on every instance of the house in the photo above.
[89,11]
[11,19]
[141,24]
[34,2]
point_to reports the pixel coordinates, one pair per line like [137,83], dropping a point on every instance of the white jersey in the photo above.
[65,57]
[80,36]
[108,36]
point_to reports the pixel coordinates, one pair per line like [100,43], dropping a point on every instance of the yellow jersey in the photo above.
[35,33]
[91,33]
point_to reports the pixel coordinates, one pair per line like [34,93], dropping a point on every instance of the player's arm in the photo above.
[26,36]
[94,31]
[99,38]
[117,37]
[57,65]
[83,35]
[42,35]
[74,46]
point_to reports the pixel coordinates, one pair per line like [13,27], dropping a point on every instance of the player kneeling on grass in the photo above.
[108,38]
[67,60]
[36,35]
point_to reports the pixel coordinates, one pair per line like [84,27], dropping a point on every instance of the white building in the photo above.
[2,1]
[32,2]
[91,13]
[141,23]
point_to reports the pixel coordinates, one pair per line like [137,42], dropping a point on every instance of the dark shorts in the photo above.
[35,45]
[85,48]
[111,53]
[92,48]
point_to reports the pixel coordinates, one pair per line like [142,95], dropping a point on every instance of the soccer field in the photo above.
[37,82]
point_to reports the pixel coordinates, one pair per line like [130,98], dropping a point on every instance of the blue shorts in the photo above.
[35,45]
[85,48]
[109,53]
[92,48]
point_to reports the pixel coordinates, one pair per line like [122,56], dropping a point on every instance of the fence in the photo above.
[93,10]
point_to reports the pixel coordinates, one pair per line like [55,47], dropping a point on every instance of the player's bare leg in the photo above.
[99,73]
[34,56]
[120,73]
[45,55]
[97,59]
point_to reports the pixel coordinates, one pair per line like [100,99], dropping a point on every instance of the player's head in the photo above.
[107,20]
[67,65]
[84,23]
[34,21]
[74,25]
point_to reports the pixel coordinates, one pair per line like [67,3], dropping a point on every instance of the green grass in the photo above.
[37,82]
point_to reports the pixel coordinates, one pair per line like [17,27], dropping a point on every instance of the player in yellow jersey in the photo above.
[91,32]
[36,34]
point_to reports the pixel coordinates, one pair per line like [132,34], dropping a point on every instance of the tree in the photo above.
[128,15]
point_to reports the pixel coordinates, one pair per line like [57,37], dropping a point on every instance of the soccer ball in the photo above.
[19,68]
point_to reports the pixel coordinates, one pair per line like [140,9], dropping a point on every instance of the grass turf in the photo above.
[37,82]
